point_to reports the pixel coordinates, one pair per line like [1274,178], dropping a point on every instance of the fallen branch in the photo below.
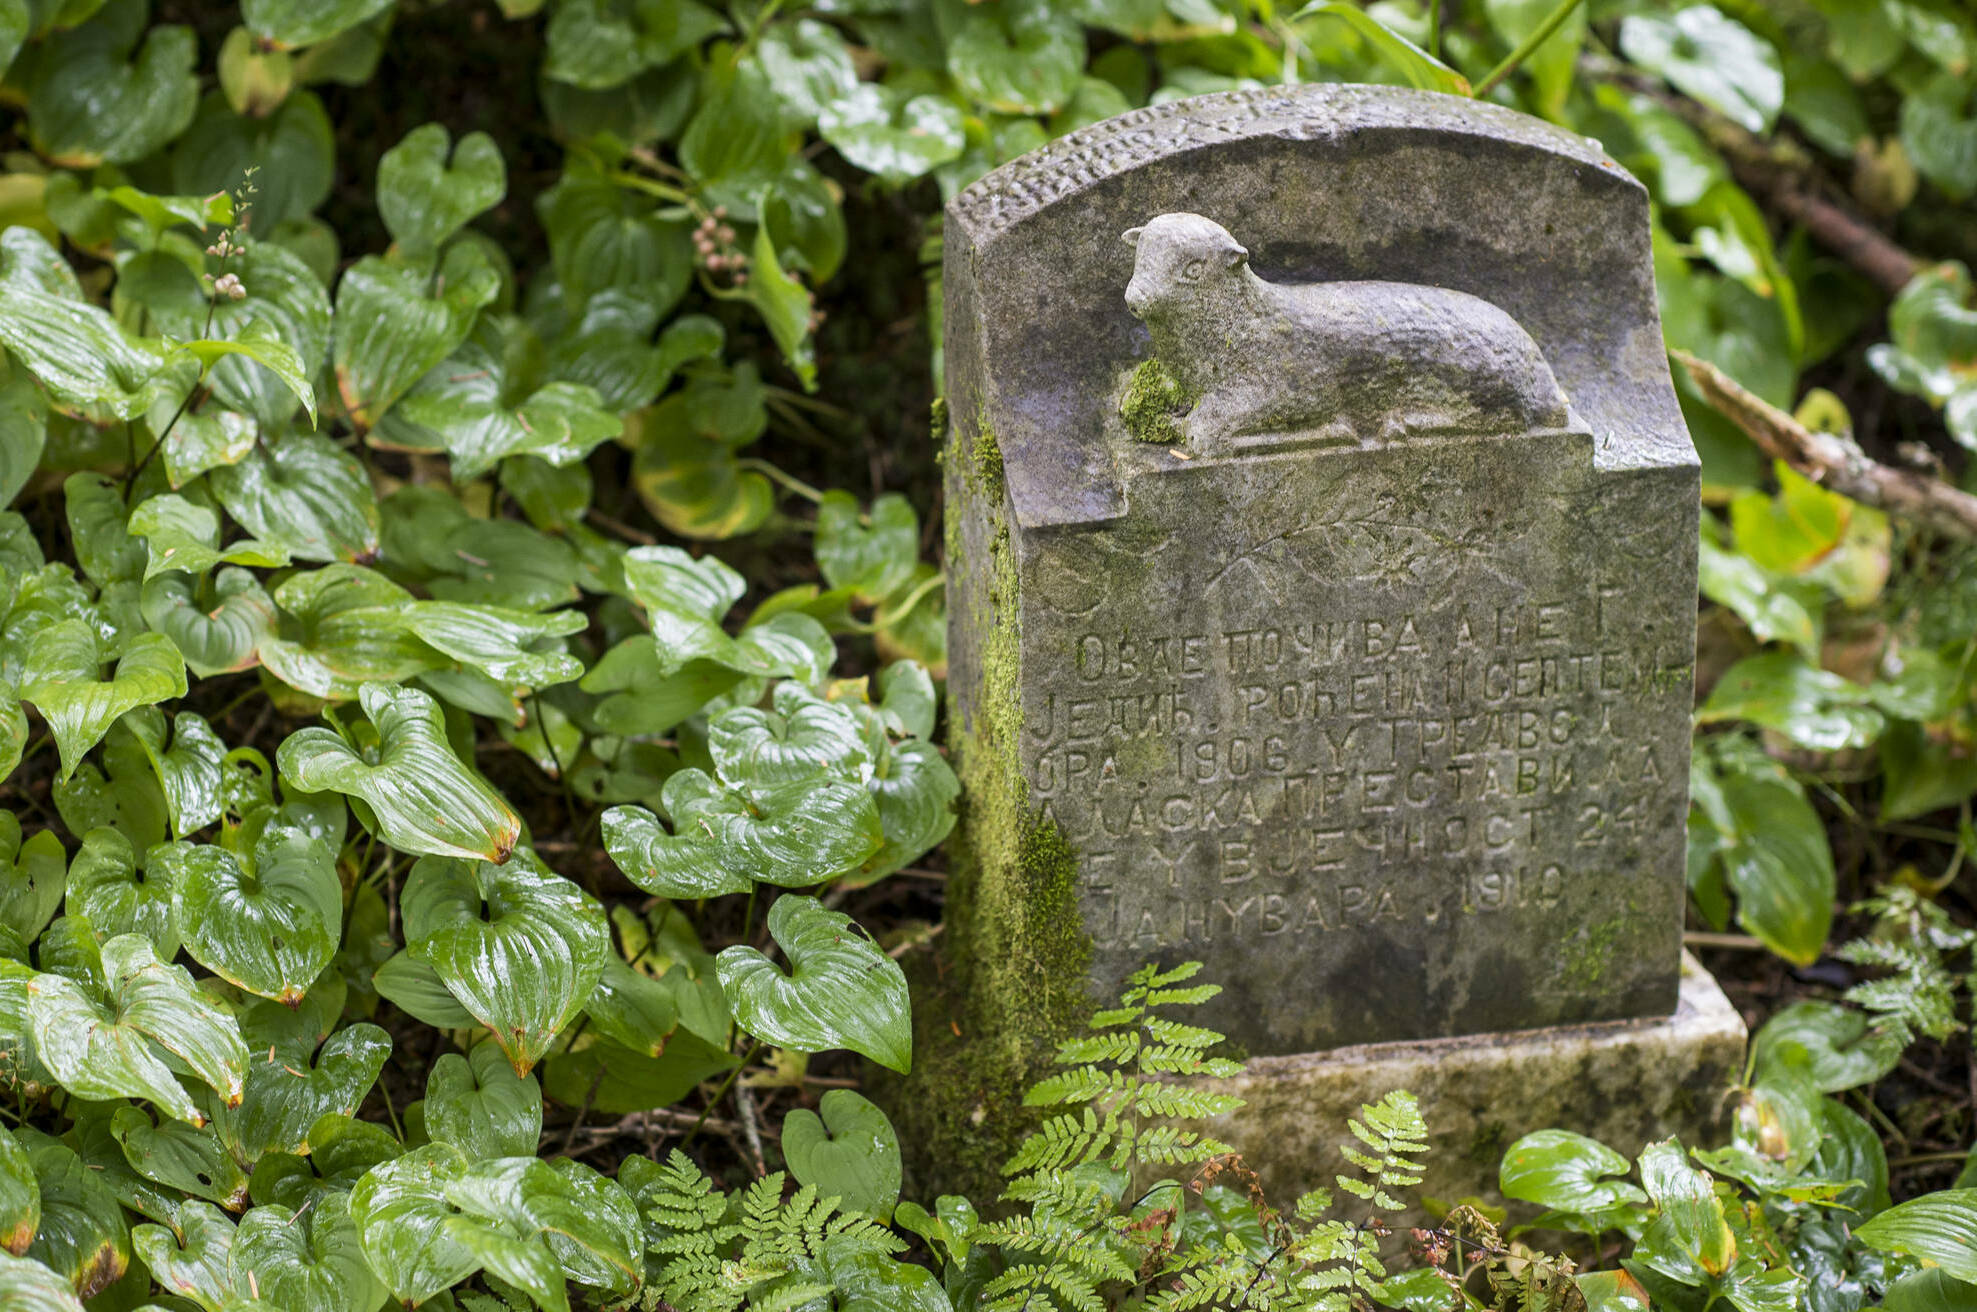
[1835,462]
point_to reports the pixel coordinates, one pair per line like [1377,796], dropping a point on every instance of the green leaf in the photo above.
[216,638]
[1689,1206]
[587,1223]
[270,926]
[424,197]
[417,990]
[300,1074]
[1939,132]
[480,406]
[695,486]
[512,647]
[842,992]
[1811,706]
[103,1050]
[618,1080]
[33,877]
[785,304]
[874,558]
[1713,58]
[793,835]
[389,331]
[1551,65]
[188,771]
[65,661]
[808,64]
[1840,1047]
[1771,846]
[304,1263]
[1014,57]
[350,633]
[684,601]
[13,731]
[401,1214]
[1421,69]
[181,535]
[80,355]
[1775,609]
[520,947]
[104,887]
[425,800]
[261,342]
[1565,1171]
[739,140]
[288,24]
[20,1198]
[90,103]
[23,432]
[82,1236]
[893,133]
[597,44]
[1939,1228]
[292,154]
[848,1150]
[803,738]
[29,1286]
[601,238]
[183,1157]
[305,494]
[479,1105]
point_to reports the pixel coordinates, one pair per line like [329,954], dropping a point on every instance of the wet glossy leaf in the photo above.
[803,738]
[479,1105]
[873,558]
[1566,1172]
[261,343]
[1688,1206]
[634,1009]
[891,132]
[292,153]
[520,947]
[347,632]
[98,96]
[32,1287]
[1771,846]
[793,835]
[598,44]
[1014,58]
[842,992]
[292,23]
[218,638]
[269,925]
[808,64]
[588,1223]
[401,1213]
[429,188]
[305,494]
[390,328]
[103,1049]
[297,1077]
[82,1236]
[480,406]
[65,661]
[1940,1228]
[306,1262]
[1420,69]
[602,237]
[695,486]
[1775,610]
[1778,690]
[416,989]
[105,886]
[1939,131]
[848,1150]
[20,1198]
[23,432]
[86,362]
[1712,57]
[184,536]
[190,1159]
[425,800]
[33,877]
[1841,1048]
[619,1080]
[188,769]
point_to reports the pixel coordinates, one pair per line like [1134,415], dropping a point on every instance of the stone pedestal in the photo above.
[1622,1082]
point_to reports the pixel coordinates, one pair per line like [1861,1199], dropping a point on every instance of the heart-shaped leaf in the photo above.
[519,946]
[33,878]
[684,601]
[289,24]
[297,1077]
[64,661]
[596,44]
[610,349]
[695,486]
[305,1262]
[36,1287]
[795,835]
[425,800]
[184,536]
[291,155]
[424,197]
[1566,1172]
[82,1236]
[20,1197]
[1940,1227]
[89,366]
[1020,58]
[188,769]
[216,638]
[389,331]
[847,1149]
[90,103]
[305,494]
[1706,54]
[348,632]
[480,406]
[917,793]
[259,342]
[874,558]
[1841,1048]
[803,738]
[269,926]
[842,992]
[479,1105]
[103,1049]
[588,1223]
[511,647]
[105,887]
[602,237]
[191,1159]
[401,1214]
[892,132]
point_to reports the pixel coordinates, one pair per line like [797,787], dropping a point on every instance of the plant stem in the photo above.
[1435,28]
[789,481]
[1525,47]
[720,1093]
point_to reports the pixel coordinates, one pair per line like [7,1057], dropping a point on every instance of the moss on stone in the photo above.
[1153,404]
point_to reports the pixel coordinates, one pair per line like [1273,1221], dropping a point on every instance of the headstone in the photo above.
[1322,545]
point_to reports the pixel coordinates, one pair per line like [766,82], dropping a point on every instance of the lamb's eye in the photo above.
[1193,269]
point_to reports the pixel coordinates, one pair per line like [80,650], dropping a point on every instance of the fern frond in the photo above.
[1183,997]
[1094,1049]
[1080,1085]
[1064,1141]
[1115,1017]
[1023,1289]
[1160,979]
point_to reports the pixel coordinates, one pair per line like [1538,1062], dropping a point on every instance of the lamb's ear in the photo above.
[1235,255]
[1132,236]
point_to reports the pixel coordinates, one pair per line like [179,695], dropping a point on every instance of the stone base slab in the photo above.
[1623,1083]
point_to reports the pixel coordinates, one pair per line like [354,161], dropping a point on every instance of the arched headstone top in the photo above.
[1319,184]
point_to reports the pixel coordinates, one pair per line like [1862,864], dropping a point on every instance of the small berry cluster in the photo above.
[714,242]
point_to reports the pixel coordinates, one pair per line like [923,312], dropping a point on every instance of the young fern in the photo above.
[1911,938]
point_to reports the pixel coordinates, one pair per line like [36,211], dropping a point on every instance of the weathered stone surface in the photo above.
[1622,1082]
[1372,689]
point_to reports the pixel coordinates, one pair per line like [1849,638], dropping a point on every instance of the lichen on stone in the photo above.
[1153,403]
